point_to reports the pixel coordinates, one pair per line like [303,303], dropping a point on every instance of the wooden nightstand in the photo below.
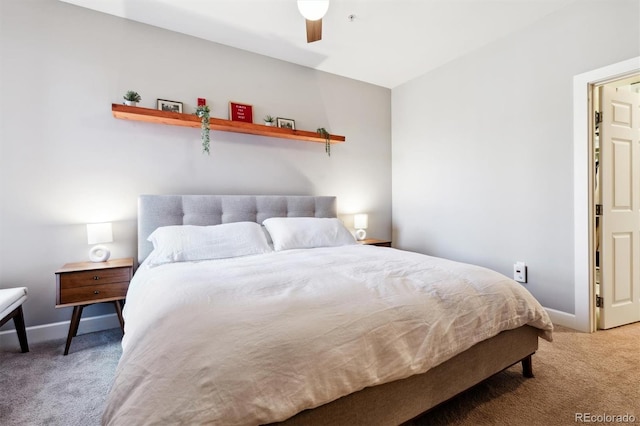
[84,283]
[374,242]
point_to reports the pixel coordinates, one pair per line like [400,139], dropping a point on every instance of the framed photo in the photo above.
[286,123]
[240,112]
[171,106]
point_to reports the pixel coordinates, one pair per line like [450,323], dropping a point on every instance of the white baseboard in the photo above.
[562,318]
[59,330]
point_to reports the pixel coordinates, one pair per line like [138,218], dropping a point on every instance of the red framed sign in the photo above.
[240,112]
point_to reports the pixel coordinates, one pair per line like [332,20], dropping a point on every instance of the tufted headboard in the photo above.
[164,210]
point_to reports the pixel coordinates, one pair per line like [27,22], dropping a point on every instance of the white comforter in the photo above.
[257,339]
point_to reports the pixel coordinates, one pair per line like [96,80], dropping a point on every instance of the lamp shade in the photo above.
[360,221]
[313,10]
[99,233]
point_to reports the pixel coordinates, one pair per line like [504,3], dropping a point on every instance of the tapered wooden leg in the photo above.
[527,367]
[73,327]
[77,323]
[18,320]
[118,305]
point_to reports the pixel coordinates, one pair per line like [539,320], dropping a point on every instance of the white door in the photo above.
[620,222]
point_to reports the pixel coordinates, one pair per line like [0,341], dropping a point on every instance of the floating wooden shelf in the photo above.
[191,120]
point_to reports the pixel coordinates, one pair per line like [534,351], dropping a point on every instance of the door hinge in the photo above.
[598,209]
[599,301]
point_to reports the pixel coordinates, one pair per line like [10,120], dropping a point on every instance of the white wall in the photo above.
[483,148]
[65,161]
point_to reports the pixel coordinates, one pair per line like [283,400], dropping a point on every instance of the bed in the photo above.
[260,309]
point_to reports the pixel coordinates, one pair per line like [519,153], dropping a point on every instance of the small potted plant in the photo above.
[269,120]
[131,98]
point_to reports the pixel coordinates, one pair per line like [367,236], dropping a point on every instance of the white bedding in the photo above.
[257,339]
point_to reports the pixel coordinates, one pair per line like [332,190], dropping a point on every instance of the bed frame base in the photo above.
[402,400]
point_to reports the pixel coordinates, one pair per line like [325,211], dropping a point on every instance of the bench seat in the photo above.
[11,300]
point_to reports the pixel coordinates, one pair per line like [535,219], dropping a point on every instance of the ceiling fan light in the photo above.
[313,10]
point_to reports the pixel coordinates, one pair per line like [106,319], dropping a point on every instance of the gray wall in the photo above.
[65,161]
[483,146]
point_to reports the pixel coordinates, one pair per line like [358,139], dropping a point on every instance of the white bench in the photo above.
[11,300]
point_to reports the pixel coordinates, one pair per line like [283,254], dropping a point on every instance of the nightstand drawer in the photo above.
[71,280]
[93,292]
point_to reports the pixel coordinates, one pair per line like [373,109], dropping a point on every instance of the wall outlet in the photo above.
[520,272]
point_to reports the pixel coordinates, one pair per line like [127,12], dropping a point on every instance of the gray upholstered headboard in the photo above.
[164,210]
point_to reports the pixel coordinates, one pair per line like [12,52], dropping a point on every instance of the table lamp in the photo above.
[360,222]
[98,233]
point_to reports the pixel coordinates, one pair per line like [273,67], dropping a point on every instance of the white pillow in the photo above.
[181,243]
[307,232]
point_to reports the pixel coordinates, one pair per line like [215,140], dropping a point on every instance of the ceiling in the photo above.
[387,43]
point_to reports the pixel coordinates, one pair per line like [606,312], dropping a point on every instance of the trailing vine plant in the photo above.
[203,112]
[327,140]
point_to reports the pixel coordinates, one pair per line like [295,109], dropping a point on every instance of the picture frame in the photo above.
[169,106]
[286,123]
[240,112]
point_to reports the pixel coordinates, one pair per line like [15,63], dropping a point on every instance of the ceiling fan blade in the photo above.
[314,30]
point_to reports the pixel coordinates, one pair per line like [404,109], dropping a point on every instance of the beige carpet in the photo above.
[594,375]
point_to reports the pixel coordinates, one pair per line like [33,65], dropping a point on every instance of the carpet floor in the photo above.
[578,376]
[43,387]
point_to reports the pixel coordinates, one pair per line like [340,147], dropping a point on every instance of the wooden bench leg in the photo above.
[527,367]
[18,320]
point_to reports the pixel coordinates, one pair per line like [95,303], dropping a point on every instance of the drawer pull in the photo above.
[95,277]
[96,292]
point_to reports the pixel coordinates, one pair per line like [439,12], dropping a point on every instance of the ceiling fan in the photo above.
[313,11]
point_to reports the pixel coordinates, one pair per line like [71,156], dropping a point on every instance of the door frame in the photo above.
[583,188]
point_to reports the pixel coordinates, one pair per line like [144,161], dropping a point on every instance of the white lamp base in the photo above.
[361,234]
[99,254]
